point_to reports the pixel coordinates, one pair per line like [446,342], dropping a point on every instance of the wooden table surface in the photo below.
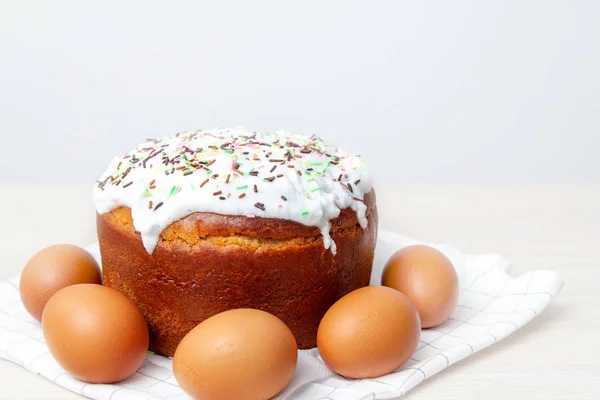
[557,356]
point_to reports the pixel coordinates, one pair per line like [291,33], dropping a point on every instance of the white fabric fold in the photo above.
[491,306]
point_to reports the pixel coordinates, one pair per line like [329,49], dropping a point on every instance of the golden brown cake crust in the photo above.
[206,263]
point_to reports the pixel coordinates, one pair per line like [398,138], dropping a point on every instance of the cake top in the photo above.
[234,172]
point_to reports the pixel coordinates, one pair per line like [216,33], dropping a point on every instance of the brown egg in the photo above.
[95,333]
[426,276]
[369,332]
[52,269]
[237,354]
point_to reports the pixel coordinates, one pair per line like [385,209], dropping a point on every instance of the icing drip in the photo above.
[234,172]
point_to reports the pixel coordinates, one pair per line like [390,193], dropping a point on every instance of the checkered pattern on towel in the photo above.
[491,306]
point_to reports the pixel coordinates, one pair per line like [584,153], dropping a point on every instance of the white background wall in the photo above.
[446,91]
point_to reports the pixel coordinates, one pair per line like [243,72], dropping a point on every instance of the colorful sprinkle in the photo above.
[357,199]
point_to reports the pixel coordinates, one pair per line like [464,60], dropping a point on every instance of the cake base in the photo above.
[208,263]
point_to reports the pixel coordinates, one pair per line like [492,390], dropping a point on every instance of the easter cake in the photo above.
[201,222]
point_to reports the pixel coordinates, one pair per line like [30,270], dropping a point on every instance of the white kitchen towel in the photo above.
[491,306]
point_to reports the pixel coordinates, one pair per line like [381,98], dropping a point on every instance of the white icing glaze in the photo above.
[188,173]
